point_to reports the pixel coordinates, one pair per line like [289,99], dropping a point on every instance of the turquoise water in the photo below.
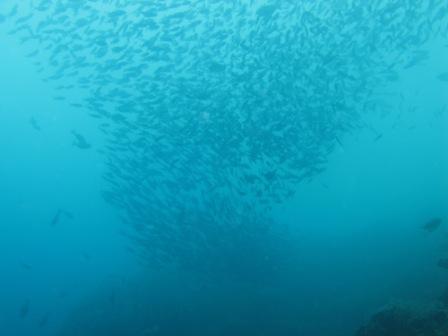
[217,167]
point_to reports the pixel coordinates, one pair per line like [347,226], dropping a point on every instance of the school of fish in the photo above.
[216,110]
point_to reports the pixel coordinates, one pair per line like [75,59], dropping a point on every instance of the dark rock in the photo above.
[404,321]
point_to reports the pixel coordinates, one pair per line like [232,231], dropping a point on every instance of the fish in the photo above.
[26,266]
[378,137]
[443,77]
[433,224]
[56,218]
[112,297]
[417,59]
[62,294]
[35,124]
[13,11]
[225,131]
[43,321]
[339,141]
[86,256]
[24,309]
[68,214]
[80,141]
[443,263]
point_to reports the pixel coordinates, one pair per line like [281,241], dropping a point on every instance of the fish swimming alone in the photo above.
[443,77]
[26,266]
[34,124]
[57,217]
[24,309]
[443,263]
[433,224]
[44,320]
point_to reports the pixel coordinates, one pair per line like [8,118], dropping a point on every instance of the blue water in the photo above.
[220,167]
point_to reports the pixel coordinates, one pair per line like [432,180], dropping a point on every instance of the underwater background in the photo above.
[223,167]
